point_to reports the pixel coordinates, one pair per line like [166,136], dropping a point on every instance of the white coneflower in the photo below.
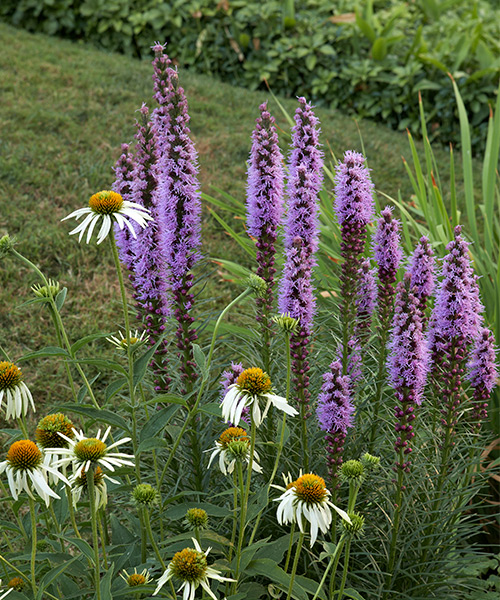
[135,578]
[252,387]
[25,467]
[47,436]
[15,392]
[190,566]
[121,342]
[84,452]
[108,206]
[11,589]
[79,484]
[233,445]
[307,500]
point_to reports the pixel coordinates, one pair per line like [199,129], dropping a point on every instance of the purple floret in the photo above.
[421,268]
[353,190]
[482,373]
[386,246]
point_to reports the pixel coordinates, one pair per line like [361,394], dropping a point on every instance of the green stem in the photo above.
[15,513]
[60,343]
[333,559]
[338,552]
[33,545]
[290,546]
[346,568]
[395,526]
[153,542]
[282,435]
[294,566]
[56,525]
[59,322]
[72,512]
[93,520]
[235,518]
[194,409]
[241,535]
[22,425]
[103,538]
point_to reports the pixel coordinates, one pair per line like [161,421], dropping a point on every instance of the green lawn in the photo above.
[65,110]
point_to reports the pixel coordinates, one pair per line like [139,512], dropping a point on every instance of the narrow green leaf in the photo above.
[269,569]
[236,237]
[83,546]
[86,340]
[466,161]
[106,584]
[212,408]
[60,298]
[200,360]
[48,351]
[151,444]
[51,575]
[157,422]
[102,414]
[490,165]
[110,365]
[114,387]
[142,363]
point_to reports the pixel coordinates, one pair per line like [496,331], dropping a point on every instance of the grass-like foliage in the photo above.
[323,436]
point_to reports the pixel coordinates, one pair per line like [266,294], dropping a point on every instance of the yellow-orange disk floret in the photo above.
[310,488]
[10,375]
[16,583]
[24,455]
[136,579]
[47,432]
[189,565]
[106,202]
[90,449]
[233,434]
[255,381]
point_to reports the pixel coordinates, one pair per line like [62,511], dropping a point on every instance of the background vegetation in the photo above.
[370,58]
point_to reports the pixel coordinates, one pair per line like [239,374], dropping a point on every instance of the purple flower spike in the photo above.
[301,242]
[264,212]
[177,198]
[407,363]
[142,255]
[454,325]
[335,414]
[421,268]
[482,374]
[353,190]
[388,255]
[355,208]
[366,301]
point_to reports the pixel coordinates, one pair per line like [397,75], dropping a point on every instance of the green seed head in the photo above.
[356,526]
[145,495]
[370,462]
[353,470]
[257,285]
[286,323]
[6,245]
[196,518]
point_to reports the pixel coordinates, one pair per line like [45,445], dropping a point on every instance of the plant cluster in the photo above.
[371,58]
[348,467]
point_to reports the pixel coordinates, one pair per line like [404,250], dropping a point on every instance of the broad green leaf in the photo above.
[151,444]
[200,360]
[269,569]
[114,387]
[110,365]
[157,422]
[106,584]
[60,298]
[142,363]
[51,575]
[86,340]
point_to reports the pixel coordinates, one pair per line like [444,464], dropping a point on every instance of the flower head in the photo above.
[44,291]
[307,500]
[80,485]
[12,387]
[136,340]
[84,452]
[190,566]
[286,323]
[108,206]
[10,588]
[47,431]
[353,190]
[196,518]
[6,245]
[26,468]
[251,387]
[232,446]
[135,579]
[386,246]
[145,494]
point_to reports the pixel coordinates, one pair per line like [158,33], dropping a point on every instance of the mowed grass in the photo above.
[65,110]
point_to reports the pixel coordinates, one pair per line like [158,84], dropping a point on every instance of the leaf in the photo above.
[157,422]
[379,49]
[106,584]
[114,387]
[48,351]
[212,408]
[351,593]
[103,364]
[86,340]
[102,414]
[119,533]
[60,298]
[83,546]
[53,574]
[200,360]
[151,444]
[169,399]
[269,569]
[142,363]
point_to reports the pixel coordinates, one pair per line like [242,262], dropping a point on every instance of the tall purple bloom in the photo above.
[142,255]
[296,295]
[421,268]
[264,211]
[454,325]
[407,363]
[355,208]
[335,414]
[482,374]
[366,301]
[388,256]
[177,197]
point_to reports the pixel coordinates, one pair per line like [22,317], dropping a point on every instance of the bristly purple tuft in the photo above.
[335,414]
[421,268]
[482,373]
[353,190]
[366,301]
[387,247]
